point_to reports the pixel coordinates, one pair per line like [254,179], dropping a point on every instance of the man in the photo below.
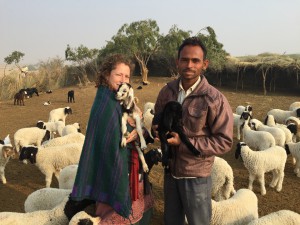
[208,123]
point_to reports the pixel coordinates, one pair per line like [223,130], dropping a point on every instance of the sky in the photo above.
[42,29]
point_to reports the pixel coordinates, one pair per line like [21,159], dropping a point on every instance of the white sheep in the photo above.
[277,133]
[67,139]
[239,120]
[294,149]
[240,109]
[53,127]
[260,162]
[54,216]
[240,209]
[281,115]
[222,180]
[270,121]
[294,105]
[71,128]
[281,217]
[6,152]
[30,136]
[293,124]
[52,159]
[59,114]
[67,177]
[258,140]
[45,199]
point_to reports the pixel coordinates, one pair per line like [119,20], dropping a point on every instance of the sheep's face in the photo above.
[41,125]
[68,110]
[47,136]
[238,149]
[123,91]
[298,112]
[28,153]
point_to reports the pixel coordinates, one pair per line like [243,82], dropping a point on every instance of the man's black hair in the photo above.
[194,41]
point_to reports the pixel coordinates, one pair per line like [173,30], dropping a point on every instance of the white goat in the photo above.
[59,114]
[260,162]
[127,100]
[6,152]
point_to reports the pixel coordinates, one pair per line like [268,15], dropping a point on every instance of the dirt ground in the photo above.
[23,179]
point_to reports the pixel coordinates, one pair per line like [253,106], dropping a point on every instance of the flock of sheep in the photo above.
[263,148]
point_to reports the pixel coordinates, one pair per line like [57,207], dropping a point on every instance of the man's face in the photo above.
[191,63]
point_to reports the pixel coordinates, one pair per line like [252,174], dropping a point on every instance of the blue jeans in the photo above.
[190,197]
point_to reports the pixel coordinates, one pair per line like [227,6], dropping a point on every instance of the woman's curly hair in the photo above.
[110,64]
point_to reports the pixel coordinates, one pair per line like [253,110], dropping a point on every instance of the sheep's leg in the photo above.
[56,174]
[139,130]
[124,129]
[275,177]
[238,128]
[261,179]
[48,179]
[280,180]
[297,168]
[251,179]
[294,160]
[142,158]
[2,175]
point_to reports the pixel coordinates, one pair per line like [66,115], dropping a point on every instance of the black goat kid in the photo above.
[171,121]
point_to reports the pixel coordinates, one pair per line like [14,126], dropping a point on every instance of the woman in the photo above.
[102,175]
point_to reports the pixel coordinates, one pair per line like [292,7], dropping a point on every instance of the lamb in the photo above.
[52,159]
[67,177]
[281,217]
[270,121]
[222,180]
[6,152]
[19,97]
[171,120]
[71,128]
[294,149]
[281,115]
[258,140]
[55,216]
[238,121]
[30,136]
[47,103]
[277,133]
[240,209]
[259,162]
[53,127]
[294,105]
[67,139]
[59,114]
[71,97]
[45,199]
[240,109]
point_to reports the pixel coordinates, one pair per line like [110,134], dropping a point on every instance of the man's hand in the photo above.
[174,140]
[155,132]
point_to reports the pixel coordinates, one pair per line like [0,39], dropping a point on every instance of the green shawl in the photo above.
[102,173]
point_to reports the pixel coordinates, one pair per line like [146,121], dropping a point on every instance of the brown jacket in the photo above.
[208,122]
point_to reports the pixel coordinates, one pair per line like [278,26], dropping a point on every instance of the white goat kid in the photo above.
[127,100]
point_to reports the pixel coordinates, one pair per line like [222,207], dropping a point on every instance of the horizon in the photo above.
[42,30]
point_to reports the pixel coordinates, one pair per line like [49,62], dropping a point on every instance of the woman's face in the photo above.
[119,75]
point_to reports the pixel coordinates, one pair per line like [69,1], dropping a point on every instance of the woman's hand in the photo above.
[132,136]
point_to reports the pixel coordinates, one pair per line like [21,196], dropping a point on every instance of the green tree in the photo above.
[139,40]
[82,57]
[15,57]
[169,45]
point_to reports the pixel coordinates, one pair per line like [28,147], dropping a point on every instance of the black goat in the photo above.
[171,121]
[31,91]
[71,96]
[19,97]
